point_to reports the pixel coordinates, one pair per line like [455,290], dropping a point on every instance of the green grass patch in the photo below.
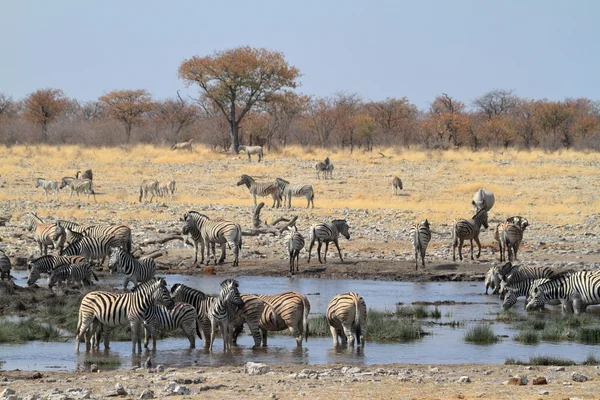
[481,334]
[26,330]
[111,362]
[417,311]
[509,316]
[541,360]
[589,334]
[591,360]
[528,337]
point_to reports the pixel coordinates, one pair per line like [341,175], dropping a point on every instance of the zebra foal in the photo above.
[288,191]
[257,150]
[182,315]
[347,318]
[71,273]
[420,235]
[149,186]
[468,229]
[295,243]
[224,311]
[325,233]
[136,271]
[396,185]
[262,189]
[48,186]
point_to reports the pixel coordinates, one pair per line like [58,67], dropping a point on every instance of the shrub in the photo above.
[481,334]
[528,337]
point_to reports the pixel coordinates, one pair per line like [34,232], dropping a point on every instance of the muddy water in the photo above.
[444,344]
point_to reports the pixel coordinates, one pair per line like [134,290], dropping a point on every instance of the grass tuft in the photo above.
[541,360]
[481,334]
[528,337]
[26,330]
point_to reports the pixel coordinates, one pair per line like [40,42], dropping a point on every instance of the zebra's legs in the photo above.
[423,257]
[135,336]
[149,333]
[478,247]
[222,258]
[334,334]
[338,249]
[312,242]
[319,251]
[349,334]
[264,336]
[190,333]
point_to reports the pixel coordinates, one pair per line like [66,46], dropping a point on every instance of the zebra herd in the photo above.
[156,189]
[80,183]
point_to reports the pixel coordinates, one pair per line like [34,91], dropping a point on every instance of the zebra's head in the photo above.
[38,182]
[115,254]
[34,275]
[161,294]
[342,227]
[32,221]
[536,300]
[192,222]
[245,180]
[482,216]
[509,299]
[230,292]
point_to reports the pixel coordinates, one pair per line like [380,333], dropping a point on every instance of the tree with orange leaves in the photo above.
[44,106]
[128,106]
[238,79]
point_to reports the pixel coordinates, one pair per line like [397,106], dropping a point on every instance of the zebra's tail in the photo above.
[198,329]
[305,318]
[357,320]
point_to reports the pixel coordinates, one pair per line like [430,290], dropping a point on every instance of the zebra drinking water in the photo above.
[82,272]
[295,243]
[262,189]
[224,312]
[136,271]
[204,231]
[288,191]
[420,235]
[325,233]
[347,318]
[575,291]
[48,186]
[252,315]
[257,150]
[519,289]
[149,186]
[468,229]
[182,315]
[47,264]
[396,185]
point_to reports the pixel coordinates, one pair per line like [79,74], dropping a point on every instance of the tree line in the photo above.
[248,96]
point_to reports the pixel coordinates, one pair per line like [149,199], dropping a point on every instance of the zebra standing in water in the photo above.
[468,229]
[205,232]
[224,312]
[136,271]
[4,266]
[288,191]
[396,185]
[48,186]
[519,289]
[257,150]
[183,316]
[252,314]
[47,264]
[328,232]
[262,189]
[291,310]
[295,243]
[81,272]
[347,318]
[420,235]
[202,303]
[46,234]
[113,310]
[575,291]
[148,186]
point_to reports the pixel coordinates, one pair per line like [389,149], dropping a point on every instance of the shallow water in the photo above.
[444,344]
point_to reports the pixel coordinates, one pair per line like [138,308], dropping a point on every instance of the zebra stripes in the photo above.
[519,289]
[492,280]
[167,189]
[420,235]
[46,234]
[4,266]
[201,302]
[148,186]
[136,271]
[84,186]
[514,273]
[182,316]
[113,310]
[288,191]
[257,150]
[575,291]
[262,189]
[512,235]
[120,234]
[47,264]
[295,243]
[224,312]
[48,186]
[396,185]
[252,315]
[71,273]
[204,231]
[347,318]
[90,248]
[325,233]
[468,229]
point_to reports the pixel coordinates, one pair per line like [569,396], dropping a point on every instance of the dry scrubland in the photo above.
[557,192]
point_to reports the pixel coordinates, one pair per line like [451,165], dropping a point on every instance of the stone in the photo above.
[540,380]
[464,379]
[147,394]
[518,380]
[272,396]
[159,369]
[120,389]
[577,377]
[93,368]
[7,392]
[252,368]
[544,392]
[557,369]
[351,371]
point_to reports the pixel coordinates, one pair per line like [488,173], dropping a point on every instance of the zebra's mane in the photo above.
[251,179]
[196,215]
[230,282]
[151,283]
[181,287]
[339,221]
[282,181]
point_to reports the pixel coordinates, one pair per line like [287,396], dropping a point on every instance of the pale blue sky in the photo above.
[378,49]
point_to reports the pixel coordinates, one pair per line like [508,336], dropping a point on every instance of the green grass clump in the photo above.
[528,337]
[318,326]
[509,316]
[591,360]
[541,360]
[102,361]
[589,334]
[481,334]
[417,311]
[25,330]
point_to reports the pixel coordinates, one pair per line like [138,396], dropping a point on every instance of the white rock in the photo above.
[252,368]
[577,377]
[7,392]
[147,394]
[464,379]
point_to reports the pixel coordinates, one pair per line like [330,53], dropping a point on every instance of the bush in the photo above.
[25,330]
[481,334]
[590,335]
[541,360]
[528,337]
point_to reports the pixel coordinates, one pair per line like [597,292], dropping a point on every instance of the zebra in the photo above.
[324,168]
[46,264]
[492,280]
[514,273]
[84,186]
[81,272]
[295,243]
[148,186]
[396,185]
[420,235]
[88,174]
[262,189]
[120,234]
[468,229]
[252,315]
[46,234]
[202,303]
[483,199]
[4,266]
[167,188]
[183,146]
[90,248]
[182,315]
[224,312]
[328,232]
[48,186]
[136,271]
[347,318]
[575,291]
[66,181]
[512,235]
[519,221]
[288,310]
[205,232]
[73,230]
[258,150]
[519,289]
[288,191]
[113,310]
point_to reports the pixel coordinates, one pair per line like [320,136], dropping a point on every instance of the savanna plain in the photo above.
[557,193]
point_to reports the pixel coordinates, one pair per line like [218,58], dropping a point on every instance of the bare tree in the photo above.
[44,106]
[178,114]
[497,102]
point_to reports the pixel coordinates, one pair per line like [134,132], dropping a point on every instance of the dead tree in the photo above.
[260,227]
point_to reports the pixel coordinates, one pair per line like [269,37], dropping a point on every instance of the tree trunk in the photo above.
[45,131]
[128,132]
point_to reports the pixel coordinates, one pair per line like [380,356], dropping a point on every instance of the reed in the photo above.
[26,330]
[528,337]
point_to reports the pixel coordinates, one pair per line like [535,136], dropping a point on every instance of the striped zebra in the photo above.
[46,234]
[114,310]
[148,186]
[48,186]
[262,189]
[295,243]
[167,189]
[325,169]
[4,266]
[120,234]
[519,289]
[347,318]
[575,291]
[182,316]
[136,271]
[66,181]
[396,185]
[483,199]
[492,280]
[224,312]
[84,186]
[205,232]
[73,230]
[71,273]
[202,303]
[288,191]
[47,264]
[288,310]
[325,233]
[420,235]
[257,150]
[519,221]
[468,229]
[90,248]
[88,174]
[515,273]
[252,314]
[512,235]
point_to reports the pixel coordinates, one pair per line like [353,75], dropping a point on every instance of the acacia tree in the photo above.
[128,106]
[394,117]
[448,118]
[238,79]
[44,106]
